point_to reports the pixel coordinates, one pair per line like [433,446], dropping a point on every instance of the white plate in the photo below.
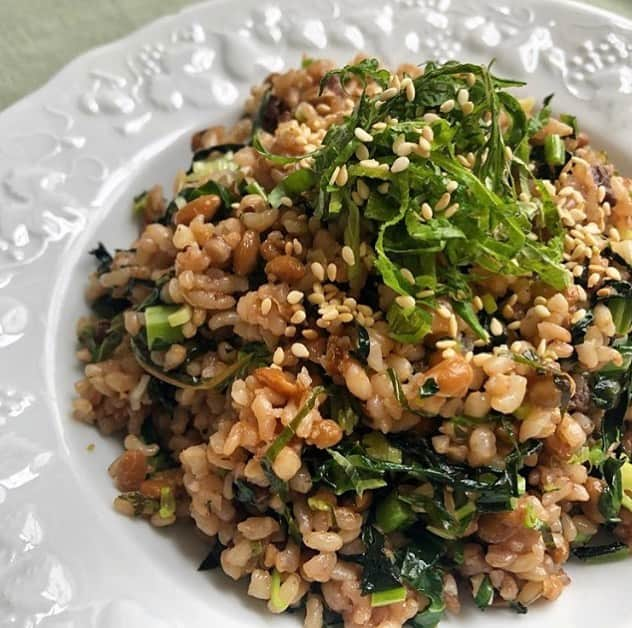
[115,121]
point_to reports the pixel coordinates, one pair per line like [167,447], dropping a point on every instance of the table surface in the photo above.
[34,41]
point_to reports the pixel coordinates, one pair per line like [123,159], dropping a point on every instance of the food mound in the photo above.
[376,346]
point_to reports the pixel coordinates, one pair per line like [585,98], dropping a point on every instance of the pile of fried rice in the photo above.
[371,430]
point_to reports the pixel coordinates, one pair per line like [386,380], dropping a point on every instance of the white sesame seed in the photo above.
[394,81]
[266,306]
[348,256]
[369,163]
[451,186]
[383,188]
[495,327]
[310,334]
[300,350]
[477,303]
[345,317]
[316,298]
[318,271]
[332,271]
[403,149]
[541,350]
[286,201]
[470,78]
[298,317]
[362,135]
[379,126]
[362,152]
[290,331]
[462,96]
[514,325]
[428,133]
[330,314]
[400,164]
[407,275]
[448,354]
[613,273]
[426,211]
[508,152]
[294,297]
[431,117]
[447,106]
[334,175]
[405,301]
[423,294]
[278,356]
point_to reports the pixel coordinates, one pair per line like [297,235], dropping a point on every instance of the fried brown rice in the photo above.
[372,399]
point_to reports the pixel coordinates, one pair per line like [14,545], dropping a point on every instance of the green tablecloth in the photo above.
[37,37]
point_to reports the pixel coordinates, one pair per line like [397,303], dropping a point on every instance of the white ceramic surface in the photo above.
[115,121]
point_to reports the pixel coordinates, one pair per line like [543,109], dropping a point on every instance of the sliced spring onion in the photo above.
[157,325]
[378,447]
[489,303]
[484,597]
[318,504]
[554,150]
[277,603]
[392,514]
[180,316]
[390,596]
[167,503]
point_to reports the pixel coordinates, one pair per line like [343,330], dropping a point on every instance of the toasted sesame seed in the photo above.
[448,353]
[451,186]
[541,350]
[496,327]
[594,279]
[514,325]
[365,309]
[294,297]
[343,176]
[467,108]
[424,144]
[334,175]
[407,275]
[332,271]
[356,198]
[362,135]
[451,210]
[447,106]
[446,344]
[443,202]
[508,152]
[443,311]
[463,161]
[369,163]
[362,152]
[298,247]
[431,117]
[462,96]
[613,273]
[405,301]
[542,311]
[426,211]
[345,317]
[453,326]
[288,248]
[290,331]
[278,356]
[383,188]
[330,314]
[614,234]
[410,91]
[348,256]
[477,303]
[316,298]
[299,350]
[400,164]
[363,189]
[427,133]
[310,334]
[387,94]
[266,306]
[318,271]
[423,294]
[298,317]
[379,126]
